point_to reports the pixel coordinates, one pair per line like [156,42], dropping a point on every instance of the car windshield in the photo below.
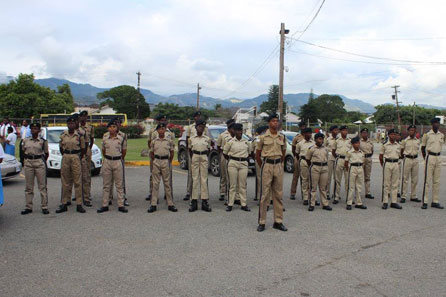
[53,136]
[216,131]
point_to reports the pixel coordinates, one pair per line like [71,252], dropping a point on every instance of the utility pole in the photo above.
[139,93]
[395,97]
[198,96]
[413,114]
[282,32]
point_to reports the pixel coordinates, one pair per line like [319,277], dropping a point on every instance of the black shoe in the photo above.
[369,196]
[317,203]
[80,209]
[186,198]
[237,202]
[403,200]
[205,206]
[305,202]
[126,203]
[245,208]
[415,200]
[398,195]
[255,199]
[424,206]
[151,209]
[385,205]
[26,211]
[123,209]
[222,198]
[292,197]
[328,197]
[228,208]
[396,205]
[172,208]
[193,206]
[349,207]
[73,199]
[327,207]
[62,208]
[280,226]
[261,228]
[45,211]
[310,208]
[362,206]
[68,203]
[149,197]
[88,204]
[102,209]
[110,202]
[335,201]
[437,205]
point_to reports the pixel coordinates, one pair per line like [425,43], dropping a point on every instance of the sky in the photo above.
[229,46]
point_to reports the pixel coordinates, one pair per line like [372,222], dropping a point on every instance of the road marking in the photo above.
[182,172]
[21,175]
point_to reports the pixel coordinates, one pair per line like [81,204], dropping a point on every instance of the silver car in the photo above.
[10,167]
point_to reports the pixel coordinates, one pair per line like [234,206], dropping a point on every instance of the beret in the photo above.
[160,125]
[159,117]
[307,130]
[200,122]
[231,125]
[392,131]
[435,120]
[355,139]
[364,130]
[302,124]
[272,116]
[35,124]
[71,119]
[197,113]
[261,129]
[319,135]
[411,126]
[230,121]
[333,127]
[83,113]
[237,127]
[111,123]
[343,127]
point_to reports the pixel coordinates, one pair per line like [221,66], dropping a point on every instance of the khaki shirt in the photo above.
[200,143]
[34,147]
[72,142]
[330,143]
[153,134]
[88,132]
[112,146]
[391,151]
[342,146]
[355,156]
[303,146]
[223,138]
[317,154]
[366,146]
[272,146]
[162,146]
[433,141]
[237,148]
[298,138]
[122,134]
[191,130]
[411,146]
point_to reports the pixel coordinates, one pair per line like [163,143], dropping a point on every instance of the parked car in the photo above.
[289,158]
[214,160]
[54,161]
[10,167]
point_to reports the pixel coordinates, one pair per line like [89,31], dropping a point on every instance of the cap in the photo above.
[197,113]
[231,125]
[364,130]
[230,121]
[355,139]
[160,117]
[261,129]
[392,131]
[333,127]
[160,125]
[200,122]
[83,113]
[435,120]
[35,124]
[343,127]
[307,130]
[237,127]
[112,122]
[117,119]
[319,135]
[411,126]
[71,119]
[272,116]
[301,124]
[75,116]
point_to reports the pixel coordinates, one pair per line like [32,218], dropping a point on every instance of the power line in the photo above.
[377,39]
[308,26]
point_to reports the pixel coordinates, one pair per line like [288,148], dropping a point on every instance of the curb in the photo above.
[147,163]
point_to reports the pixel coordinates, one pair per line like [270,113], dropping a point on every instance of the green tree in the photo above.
[176,112]
[126,99]
[326,108]
[272,104]
[218,106]
[386,113]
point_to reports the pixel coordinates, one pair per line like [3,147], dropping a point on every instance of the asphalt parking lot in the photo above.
[371,252]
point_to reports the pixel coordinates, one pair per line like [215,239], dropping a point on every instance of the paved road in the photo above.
[338,253]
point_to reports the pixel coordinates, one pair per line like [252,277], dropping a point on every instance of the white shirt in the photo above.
[12,138]
[25,132]
[4,129]
[2,152]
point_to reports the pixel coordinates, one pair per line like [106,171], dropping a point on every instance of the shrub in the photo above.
[132,131]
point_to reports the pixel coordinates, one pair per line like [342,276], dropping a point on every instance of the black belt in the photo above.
[368,155]
[340,156]
[161,157]
[302,157]
[392,160]
[200,153]
[72,152]
[356,164]
[33,157]
[434,154]
[273,161]
[238,159]
[112,158]
[411,157]
[320,164]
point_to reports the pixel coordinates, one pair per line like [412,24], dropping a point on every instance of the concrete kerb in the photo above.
[147,163]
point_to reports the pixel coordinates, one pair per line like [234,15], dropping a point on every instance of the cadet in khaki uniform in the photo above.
[222,139]
[259,131]
[341,147]
[354,164]
[88,132]
[72,148]
[409,150]
[301,151]
[366,146]
[112,169]
[296,173]
[400,165]
[389,157]
[199,146]
[35,152]
[329,143]
[431,145]
[270,154]
[162,151]
[237,150]
[317,159]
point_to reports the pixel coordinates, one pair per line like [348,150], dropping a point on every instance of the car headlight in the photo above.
[55,152]
[95,151]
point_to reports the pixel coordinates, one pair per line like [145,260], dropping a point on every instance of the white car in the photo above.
[10,167]
[54,161]
[289,158]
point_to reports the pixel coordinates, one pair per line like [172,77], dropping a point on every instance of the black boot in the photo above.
[151,209]
[222,197]
[205,206]
[26,211]
[396,205]
[305,202]
[403,200]
[45,211]
[327,207]
[261,228]
[187,197]
[193,206]
[62,208]
[424,206]
[280,226]
[237,202]
[385,205]
[245,208]
[172,208]
[293,197]
[126,203]
[102,209]
[149,197]
[415,200]
[88,204]
[436,205]
[228,208]
[123,209]
[369,196]
[80,209]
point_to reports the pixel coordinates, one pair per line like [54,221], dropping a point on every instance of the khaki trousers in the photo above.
[355,178]
[400,170]
[319,178]
[189,174]
[331,170]
[367,174]
[340,171]
[112,172]
[161,170]
[35,169]
[86,175]
[391,175]
[200,177]
[223,175]
[410,171]
[272,187]
[432,174]
[305,180]
[296,175]
[238,174]
[71,174]
[258,181]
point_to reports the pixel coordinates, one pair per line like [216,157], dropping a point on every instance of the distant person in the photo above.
[2,155]
[10,142]
[25,130]
[4,130]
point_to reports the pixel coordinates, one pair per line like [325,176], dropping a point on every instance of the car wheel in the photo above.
[215,165]
[182,158]
[96,171]
[289,164]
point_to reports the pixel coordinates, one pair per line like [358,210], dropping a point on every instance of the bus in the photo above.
[96,119]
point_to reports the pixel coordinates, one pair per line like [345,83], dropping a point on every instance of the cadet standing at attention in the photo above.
[389,157]
[296,172]
[366,146]
[431,145]
[72,148]
[301,151]
[317,160]
[162,151]
[270,154]
[88,132]
[400,165]
[237,151]
[409,150]
[329,143]
[199,147]
[222,139]
[35,152]
[354,164]
[341,147]
[259,131]
[112,169]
